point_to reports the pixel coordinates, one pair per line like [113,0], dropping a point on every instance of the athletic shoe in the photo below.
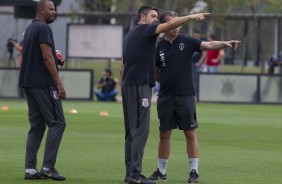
[36,176]
[52,174]
[140,180]
[126,179]
[193,177]
[158,176]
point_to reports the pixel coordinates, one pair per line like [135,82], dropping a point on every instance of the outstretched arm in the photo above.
[217,45]
[179,21]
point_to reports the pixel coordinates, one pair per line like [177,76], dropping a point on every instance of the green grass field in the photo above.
[239,144]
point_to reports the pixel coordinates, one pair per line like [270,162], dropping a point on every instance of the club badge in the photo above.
[55,95]
[145,102]
[181,46]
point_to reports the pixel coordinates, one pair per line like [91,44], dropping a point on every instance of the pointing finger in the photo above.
[205,14]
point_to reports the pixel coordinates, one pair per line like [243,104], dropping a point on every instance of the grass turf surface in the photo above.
[239,144]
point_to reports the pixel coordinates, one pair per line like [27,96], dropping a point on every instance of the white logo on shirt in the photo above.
[55,95]
[162,57]
[181,46]
[145,102]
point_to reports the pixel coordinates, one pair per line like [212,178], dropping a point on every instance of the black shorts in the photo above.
[177,111]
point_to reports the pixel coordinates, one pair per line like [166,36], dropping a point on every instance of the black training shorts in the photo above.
[177,111]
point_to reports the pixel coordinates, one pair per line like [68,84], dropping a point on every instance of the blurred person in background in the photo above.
[19,47]
[273,62]
[213,57]
[107,87]
[197,60]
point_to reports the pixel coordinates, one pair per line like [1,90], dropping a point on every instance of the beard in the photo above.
[50,20]
[151,22]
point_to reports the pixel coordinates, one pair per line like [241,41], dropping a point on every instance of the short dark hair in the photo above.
[197,31]
[213,36]
[40,4]
[145,10]
[109,71]
[166,14]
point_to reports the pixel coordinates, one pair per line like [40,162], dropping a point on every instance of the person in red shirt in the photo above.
[213,57]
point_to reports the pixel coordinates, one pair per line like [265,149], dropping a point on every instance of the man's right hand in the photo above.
[199,16]
[61,91]
[179,21]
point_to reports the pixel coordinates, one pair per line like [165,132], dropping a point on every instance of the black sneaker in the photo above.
[193,177]
[36,176]
[140,180]
[126,179]
[157,176]
[52,174]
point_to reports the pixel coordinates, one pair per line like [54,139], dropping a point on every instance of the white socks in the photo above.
[31,171]
[194,163]
[162,165]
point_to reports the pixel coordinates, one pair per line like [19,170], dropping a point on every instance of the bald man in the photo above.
[44,90]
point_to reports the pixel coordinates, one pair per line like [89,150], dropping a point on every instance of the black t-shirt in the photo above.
[139,55]
[111,84]
[34,73]
[175,63]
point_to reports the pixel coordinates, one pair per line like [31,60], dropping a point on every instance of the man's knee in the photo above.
[165,135]
[190,134]
[63,125]
[38,129]
[57,125]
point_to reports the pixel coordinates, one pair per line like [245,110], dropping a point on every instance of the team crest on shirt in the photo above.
[181,46]
[145,102]
[55,95]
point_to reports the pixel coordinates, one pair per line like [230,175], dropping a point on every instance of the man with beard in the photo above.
[40,79]
[138,71]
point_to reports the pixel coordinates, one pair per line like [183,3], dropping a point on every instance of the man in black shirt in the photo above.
[107,85]
[176,101]
[138,70]
[40,79]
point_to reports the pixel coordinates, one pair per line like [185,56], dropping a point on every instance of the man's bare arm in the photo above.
[179,21]
[51,66]
[217,45]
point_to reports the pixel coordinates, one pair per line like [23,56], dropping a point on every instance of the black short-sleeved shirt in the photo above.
[111,84]
[139,55]
[175,63]
[34,73]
